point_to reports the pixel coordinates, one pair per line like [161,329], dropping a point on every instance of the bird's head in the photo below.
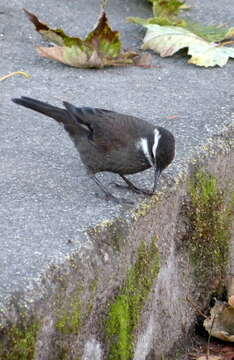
[163,151]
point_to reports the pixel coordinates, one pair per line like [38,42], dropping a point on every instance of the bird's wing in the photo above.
[109,130]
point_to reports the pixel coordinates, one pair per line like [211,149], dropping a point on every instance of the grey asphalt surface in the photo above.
[46,200]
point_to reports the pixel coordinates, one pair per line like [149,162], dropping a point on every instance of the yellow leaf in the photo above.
[167,40]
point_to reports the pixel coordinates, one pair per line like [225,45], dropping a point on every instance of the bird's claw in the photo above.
[134,189]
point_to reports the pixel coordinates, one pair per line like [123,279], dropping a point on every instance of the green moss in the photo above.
[118,326]
[125,311]
[210,215]
[71,311]
[69,318]
[68,322]
[18,341]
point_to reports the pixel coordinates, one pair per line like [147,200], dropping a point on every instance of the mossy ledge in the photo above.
[112,233]
[69,320]
[19,340]
[71,317]
[125,311]
[210,213]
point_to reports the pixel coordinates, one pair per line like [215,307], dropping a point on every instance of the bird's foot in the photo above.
[108,196]
[134,189]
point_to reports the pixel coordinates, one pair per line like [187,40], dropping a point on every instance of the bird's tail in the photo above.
[54,112]
[60,115]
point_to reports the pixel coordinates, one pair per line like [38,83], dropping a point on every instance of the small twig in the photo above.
[196,307]
[25,74]
[208,342]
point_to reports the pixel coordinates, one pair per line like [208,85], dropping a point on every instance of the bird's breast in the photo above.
[125,160]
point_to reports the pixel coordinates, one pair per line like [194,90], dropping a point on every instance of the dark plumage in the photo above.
[109,141]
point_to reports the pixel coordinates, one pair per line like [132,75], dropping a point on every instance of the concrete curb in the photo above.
[65,312]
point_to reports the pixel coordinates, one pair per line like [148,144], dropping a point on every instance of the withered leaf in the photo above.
[208,45]
[167,40]
[101,47]
[168,7]
[220,324]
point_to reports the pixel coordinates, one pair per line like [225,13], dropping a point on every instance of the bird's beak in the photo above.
[157,173]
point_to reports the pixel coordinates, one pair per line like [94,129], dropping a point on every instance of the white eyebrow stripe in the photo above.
[144,146]
[156,140]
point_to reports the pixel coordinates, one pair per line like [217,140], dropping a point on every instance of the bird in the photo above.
[110,141]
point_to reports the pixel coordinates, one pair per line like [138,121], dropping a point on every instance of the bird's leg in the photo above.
[132,187]
[137,190]
[157,173]
[108,195]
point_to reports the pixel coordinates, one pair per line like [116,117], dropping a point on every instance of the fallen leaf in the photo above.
[231,301]
[101,47]
[226,352]
[167,40]
[220,324]
[209,53]
[228,349]
[211,33]
[163,21]
[168,7]
[164,12]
